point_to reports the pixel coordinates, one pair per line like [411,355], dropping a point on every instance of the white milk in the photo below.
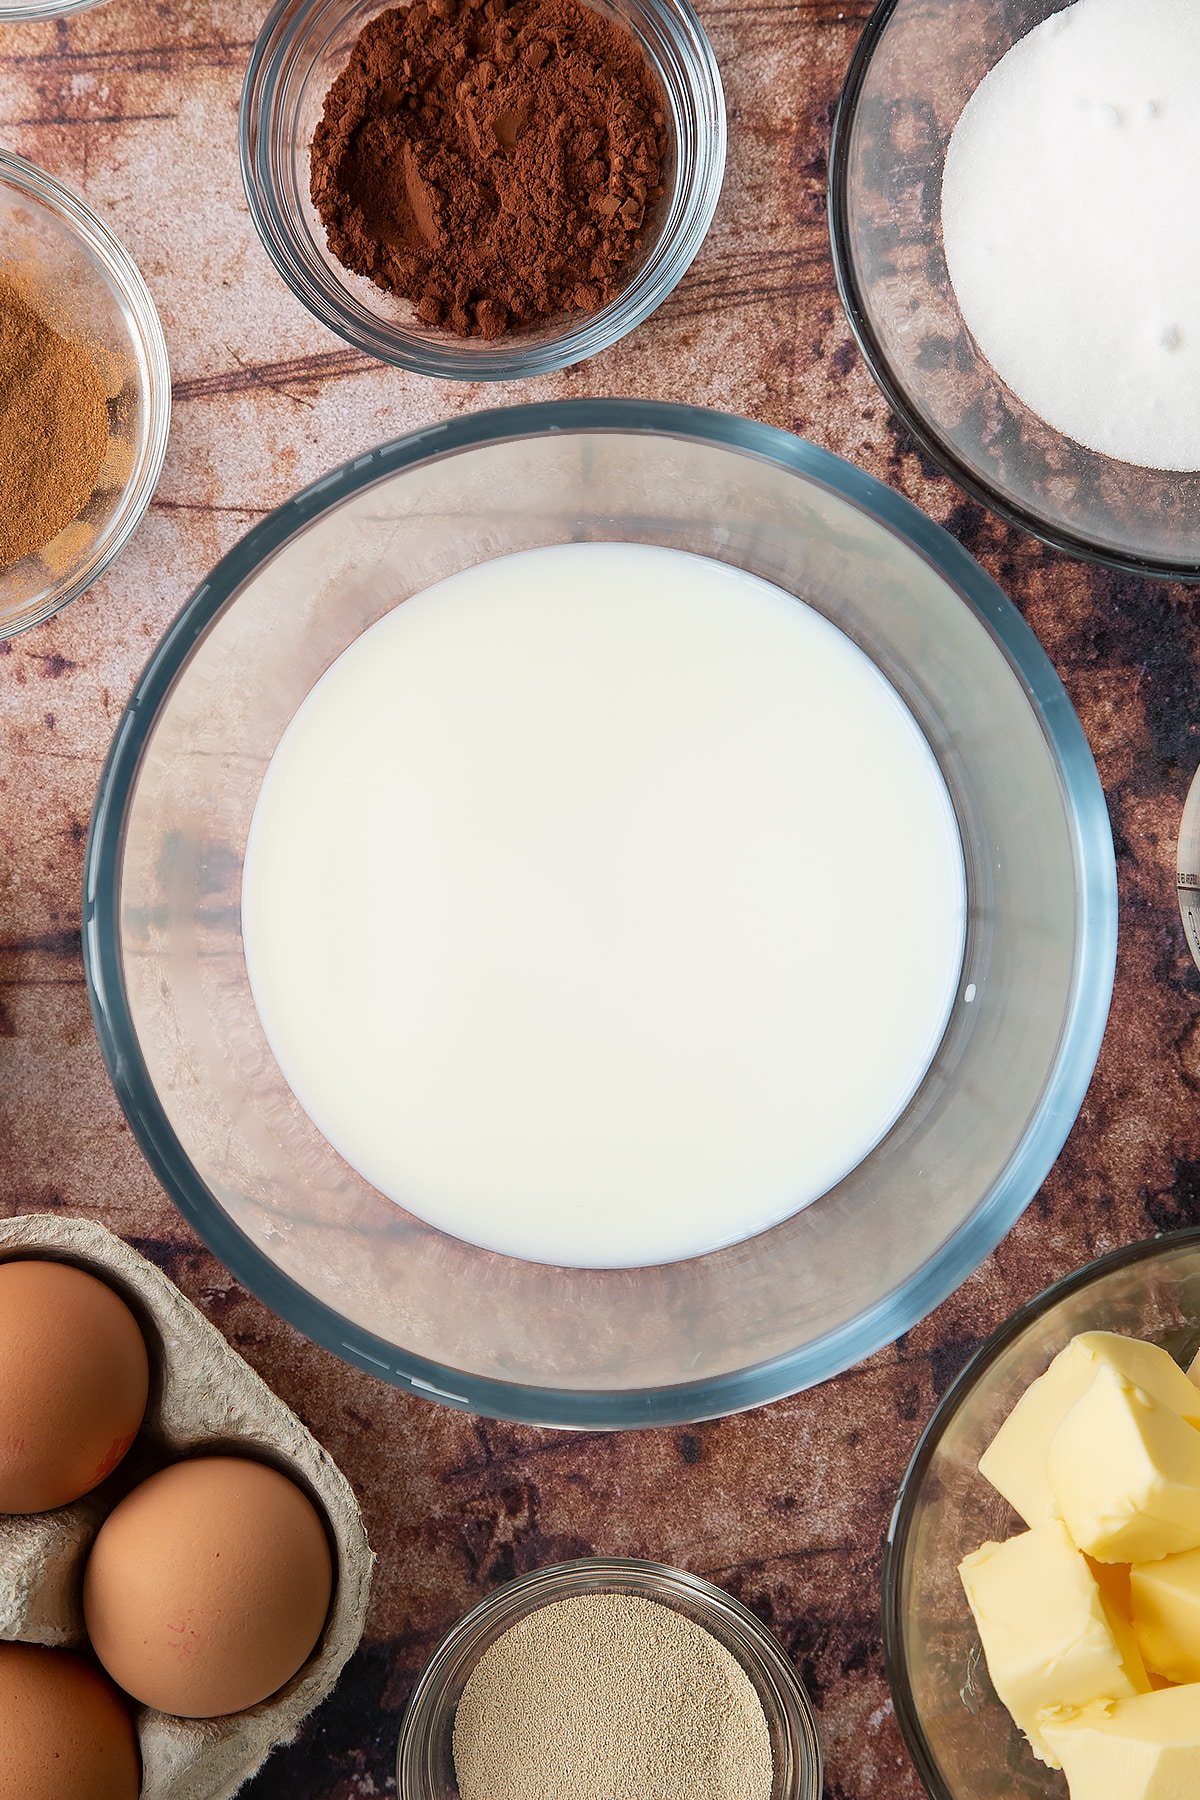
[561,905]
[1071,219]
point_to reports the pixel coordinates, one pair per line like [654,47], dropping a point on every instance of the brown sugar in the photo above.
[496,162]
[53,428]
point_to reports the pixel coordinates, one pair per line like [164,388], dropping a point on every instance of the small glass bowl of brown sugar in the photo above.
[609,1673]
[484,315]
[85,396]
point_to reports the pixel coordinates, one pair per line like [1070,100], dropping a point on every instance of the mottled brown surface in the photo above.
[135,103]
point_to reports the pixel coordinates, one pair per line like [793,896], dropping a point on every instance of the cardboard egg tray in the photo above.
[202,1397]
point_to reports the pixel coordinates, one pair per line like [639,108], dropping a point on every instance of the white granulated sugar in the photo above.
[1071,217]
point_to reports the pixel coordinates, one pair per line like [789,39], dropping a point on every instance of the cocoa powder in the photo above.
[494,163]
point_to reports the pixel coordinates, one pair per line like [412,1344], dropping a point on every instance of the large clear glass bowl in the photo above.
[305,45]
[89,287]
[916,66]
[962,1740]
[593,1347]
[425,1761]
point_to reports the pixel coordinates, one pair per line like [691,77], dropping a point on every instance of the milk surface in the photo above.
[562,905]
[1069,213]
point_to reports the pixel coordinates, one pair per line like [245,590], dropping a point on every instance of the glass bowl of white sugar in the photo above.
[600,913]
[1012,209]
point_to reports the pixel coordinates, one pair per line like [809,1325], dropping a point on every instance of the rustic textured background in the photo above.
[135,104]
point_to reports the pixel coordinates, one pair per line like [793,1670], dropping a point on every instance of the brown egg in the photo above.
[65,1732]
[207,1588]
[74,1380]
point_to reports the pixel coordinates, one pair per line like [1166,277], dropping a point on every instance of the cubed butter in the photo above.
[1015,1460]
[1113,1580]
[1044,1629]
[1146,1748]
[1165,1599]
[1125,1473]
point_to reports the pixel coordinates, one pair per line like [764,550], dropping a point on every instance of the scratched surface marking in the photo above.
[135,104]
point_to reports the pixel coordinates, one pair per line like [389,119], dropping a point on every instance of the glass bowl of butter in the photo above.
[1063,1573]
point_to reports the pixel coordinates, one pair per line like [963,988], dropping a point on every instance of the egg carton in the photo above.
[203,1396]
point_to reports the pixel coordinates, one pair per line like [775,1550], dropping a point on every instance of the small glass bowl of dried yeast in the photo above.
[609,1673]
[85,396]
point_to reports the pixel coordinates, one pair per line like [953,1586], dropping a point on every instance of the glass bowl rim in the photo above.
[150,354]
[1058,537]
[510,359]
[1186,861]
[30,11]
[560,1580]
[895,1312]
[908,1716]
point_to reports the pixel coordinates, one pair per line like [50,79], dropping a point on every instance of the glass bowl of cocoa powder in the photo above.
[482,190]
[85,396]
